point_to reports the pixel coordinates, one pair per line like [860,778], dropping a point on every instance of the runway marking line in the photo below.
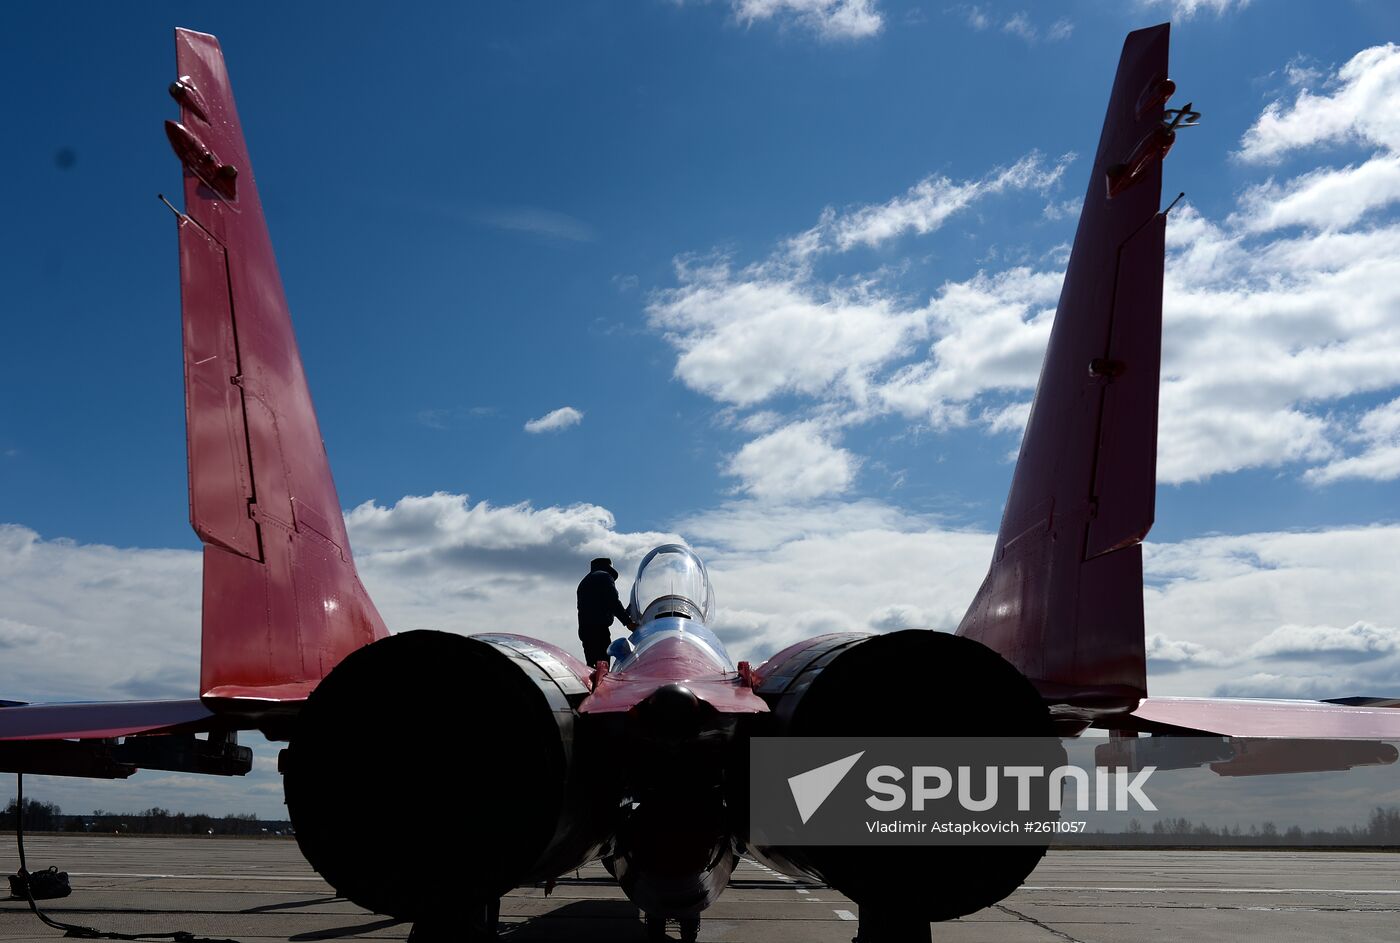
[197,877]
[1187,889]
[844,914]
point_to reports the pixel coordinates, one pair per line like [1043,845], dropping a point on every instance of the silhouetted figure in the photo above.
[598,605]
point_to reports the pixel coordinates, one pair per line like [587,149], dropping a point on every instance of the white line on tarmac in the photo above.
[844,914]
[1187,889]
[197,877]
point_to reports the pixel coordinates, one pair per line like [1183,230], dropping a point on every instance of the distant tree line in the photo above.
[47,817]
[1381,830]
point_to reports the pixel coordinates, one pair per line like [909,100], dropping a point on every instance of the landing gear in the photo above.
[475,923]
[880,926]
[656,929]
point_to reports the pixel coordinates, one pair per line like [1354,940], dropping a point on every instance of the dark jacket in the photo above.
[598,602]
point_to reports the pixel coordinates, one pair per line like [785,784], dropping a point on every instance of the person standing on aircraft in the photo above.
[598,605]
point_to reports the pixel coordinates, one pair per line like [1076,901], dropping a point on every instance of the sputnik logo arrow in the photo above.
[811,789]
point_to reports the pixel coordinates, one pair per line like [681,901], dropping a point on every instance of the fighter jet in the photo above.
[640,760]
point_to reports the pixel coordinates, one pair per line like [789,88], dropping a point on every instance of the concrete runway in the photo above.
[263,890]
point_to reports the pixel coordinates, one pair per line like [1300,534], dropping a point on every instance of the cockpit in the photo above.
[672,599]
[671,581]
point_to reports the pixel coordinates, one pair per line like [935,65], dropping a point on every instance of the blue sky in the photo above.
[485,214]
[473,207]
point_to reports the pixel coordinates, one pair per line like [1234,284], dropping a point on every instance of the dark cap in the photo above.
[603,563]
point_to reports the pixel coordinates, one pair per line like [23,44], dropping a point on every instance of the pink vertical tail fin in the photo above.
[282,601]
[1063,598]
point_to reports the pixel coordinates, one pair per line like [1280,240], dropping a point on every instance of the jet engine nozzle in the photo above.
[914,683]
[456,755]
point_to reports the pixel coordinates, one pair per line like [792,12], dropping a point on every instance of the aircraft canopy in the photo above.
[672,581]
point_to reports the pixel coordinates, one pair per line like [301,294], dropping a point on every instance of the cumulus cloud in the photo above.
[85,621]
[1328,198]
[1277,597]
[746,334]
[795,463]
[1359,108]
[895,618]
[1166,655]
[1268,685]
[1379,460]
[830,19]
[1317,313]
[990,335]
[1276,316]
[98,622]
[1360,640]
[555,420]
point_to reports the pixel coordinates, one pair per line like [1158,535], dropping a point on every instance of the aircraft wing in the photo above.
[93,721]
[1249,717]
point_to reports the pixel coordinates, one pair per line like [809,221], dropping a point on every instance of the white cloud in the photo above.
[1253,596]
[1302,72]
[990,334]
[765,420]
[1166,655]
[1185,9]
[1360,109]
[94,622]
[449,523]
[85,620]
[978,18]
[1317,314]
[830,19]
[1379,460]
[1010,418]
[783,573]
[930,202]
[796,463]
[540,222]
[894,618]
[1273,316]
[1018,24]
[555,420]
[1358,640]
[745,336]
[1327,198]
[1267,684]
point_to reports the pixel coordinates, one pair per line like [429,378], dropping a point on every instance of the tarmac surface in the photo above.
[250,890]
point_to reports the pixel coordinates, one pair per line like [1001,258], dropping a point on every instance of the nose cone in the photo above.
[671,712]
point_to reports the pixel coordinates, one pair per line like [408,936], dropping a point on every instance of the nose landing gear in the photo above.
[656,929]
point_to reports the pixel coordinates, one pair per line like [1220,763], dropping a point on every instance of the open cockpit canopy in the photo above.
[671,581]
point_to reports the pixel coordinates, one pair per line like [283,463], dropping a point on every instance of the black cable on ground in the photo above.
[74,930]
